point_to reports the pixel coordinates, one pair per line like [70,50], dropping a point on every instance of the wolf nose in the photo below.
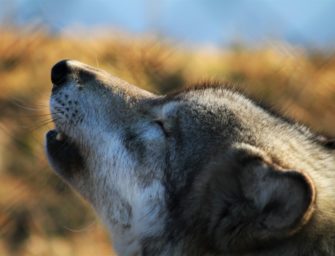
[59,73]
[71,70]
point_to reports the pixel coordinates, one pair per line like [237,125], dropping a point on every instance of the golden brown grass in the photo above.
[39,215]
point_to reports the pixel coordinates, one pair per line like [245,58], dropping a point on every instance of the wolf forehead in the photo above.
[207,119]
[219,110]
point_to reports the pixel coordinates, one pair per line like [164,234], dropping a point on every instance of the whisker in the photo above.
[85,228]
[40,124]
[30,108]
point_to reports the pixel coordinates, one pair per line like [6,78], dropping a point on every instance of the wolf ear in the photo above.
[266,201]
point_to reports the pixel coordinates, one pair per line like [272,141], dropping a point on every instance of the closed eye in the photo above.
[162,127]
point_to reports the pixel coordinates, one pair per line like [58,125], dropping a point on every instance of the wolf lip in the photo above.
[63,154]
[54,135]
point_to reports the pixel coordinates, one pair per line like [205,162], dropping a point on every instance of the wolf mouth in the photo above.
[63,153]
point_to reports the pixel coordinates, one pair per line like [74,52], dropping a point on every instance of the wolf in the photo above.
[203,171]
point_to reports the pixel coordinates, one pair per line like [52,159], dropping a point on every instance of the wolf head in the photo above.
[205,170]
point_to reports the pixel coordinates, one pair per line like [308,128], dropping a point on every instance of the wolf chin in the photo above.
[205,171]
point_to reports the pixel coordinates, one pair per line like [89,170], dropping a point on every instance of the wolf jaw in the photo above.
[204,171]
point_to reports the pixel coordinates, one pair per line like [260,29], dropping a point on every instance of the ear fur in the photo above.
[261,200]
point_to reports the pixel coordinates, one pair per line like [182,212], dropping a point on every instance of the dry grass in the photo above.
[39,215]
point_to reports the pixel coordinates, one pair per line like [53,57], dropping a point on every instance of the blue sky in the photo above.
[218,22]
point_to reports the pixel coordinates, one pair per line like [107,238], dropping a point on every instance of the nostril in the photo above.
[59,72]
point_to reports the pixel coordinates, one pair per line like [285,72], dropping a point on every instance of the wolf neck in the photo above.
[297,246]
[141,217]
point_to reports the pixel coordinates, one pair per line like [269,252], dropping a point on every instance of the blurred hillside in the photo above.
[39,215]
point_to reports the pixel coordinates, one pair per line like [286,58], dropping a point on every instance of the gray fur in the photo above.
[204,171]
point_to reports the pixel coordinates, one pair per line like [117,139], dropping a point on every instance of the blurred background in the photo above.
[281,52]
